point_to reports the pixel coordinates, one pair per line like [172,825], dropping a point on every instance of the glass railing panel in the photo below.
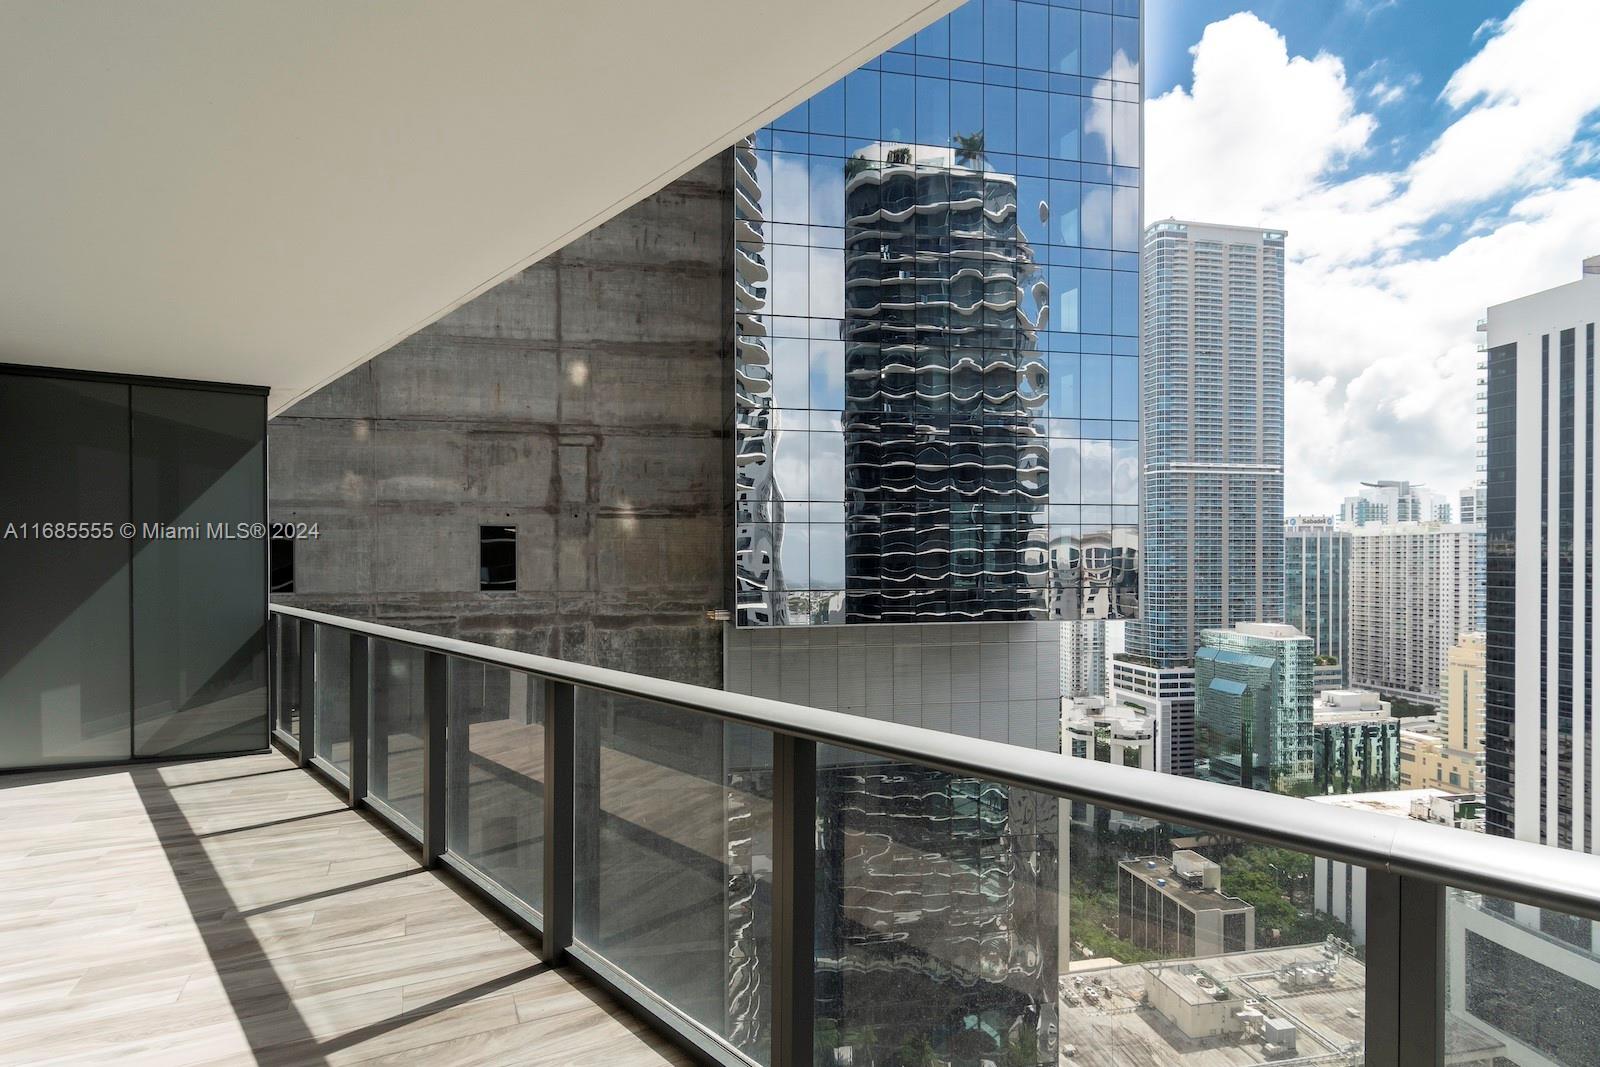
[332,735]
[673,859]
[936,917]
[495,769]
[954,927]
[286,683]
[1523,984]
[394,774]
[1176,939]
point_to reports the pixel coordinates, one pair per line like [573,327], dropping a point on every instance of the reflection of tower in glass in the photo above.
[946,462]
[758,501]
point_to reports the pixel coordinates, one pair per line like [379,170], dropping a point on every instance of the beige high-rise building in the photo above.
[1461,721]
[1451,758]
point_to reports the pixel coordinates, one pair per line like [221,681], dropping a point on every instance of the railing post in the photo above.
[436,713]
[794,887]
[360,714]
[1406,972]
[308,691]
[559,829]
[273,640]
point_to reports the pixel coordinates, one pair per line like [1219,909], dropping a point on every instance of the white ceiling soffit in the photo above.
[272,191]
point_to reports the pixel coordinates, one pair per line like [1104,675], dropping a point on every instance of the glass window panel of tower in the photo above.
[936,301]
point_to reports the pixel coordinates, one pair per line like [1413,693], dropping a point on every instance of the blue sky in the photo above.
[1428,158]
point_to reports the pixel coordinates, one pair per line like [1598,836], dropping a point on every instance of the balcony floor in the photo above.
[234,911]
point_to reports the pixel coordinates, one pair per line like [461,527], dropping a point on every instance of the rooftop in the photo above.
[1387,802]
[1321,990]
[1159,871]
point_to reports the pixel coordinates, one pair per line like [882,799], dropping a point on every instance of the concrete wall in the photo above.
[581,401]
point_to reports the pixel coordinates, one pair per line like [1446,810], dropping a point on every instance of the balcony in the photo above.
[461,852]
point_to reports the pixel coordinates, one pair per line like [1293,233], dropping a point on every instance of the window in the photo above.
[497,558]
[280,565]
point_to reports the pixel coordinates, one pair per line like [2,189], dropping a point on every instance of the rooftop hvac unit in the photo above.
[1280,1032]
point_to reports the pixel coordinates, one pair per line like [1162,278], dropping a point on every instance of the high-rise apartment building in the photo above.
[1083,659]
[1471,503]
[1543,540]
[1390,502]
[1213,459]
[1540,745]
[1413,592]
[1316,589]
[1253,717]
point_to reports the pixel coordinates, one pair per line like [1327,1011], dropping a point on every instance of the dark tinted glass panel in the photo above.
[496,776]
[398,715]
[1538,1004]
[497,557]
[63,600]
[199,608]
[286,680]
[673,859]
[936,917]
[333,697]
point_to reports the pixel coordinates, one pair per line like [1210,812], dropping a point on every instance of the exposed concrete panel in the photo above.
[582,401]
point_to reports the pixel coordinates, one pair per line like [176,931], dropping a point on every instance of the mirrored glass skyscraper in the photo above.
[936,389]
[936,380]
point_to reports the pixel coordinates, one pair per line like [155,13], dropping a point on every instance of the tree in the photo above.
[970,149]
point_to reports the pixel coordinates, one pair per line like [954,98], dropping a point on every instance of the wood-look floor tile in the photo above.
[170,915]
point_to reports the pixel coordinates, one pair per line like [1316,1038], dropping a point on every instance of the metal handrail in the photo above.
[1523,871]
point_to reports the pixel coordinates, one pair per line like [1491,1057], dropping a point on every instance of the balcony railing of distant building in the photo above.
[514,773]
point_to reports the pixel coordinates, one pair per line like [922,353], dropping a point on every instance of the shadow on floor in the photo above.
[273,1026]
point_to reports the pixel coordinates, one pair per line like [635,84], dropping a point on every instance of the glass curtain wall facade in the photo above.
[937,318]
[1253,719]
[936,389]
[1316,585]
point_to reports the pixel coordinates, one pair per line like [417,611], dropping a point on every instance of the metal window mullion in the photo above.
[794,865]
[435,736]
[360,715]
[307,691]
[560,757]
[1405,971]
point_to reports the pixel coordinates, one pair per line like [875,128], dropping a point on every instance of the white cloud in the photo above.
[1383,92]
[1368,8]
[1525,94]
[1380,336]
[1259,128]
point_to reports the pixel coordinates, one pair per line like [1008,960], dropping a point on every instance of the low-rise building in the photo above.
[1340,889]
[1176,907]
[1355,743]
[1094,728]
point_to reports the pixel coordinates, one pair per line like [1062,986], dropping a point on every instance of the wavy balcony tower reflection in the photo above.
[946,460]
[936,322]
[936,409]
